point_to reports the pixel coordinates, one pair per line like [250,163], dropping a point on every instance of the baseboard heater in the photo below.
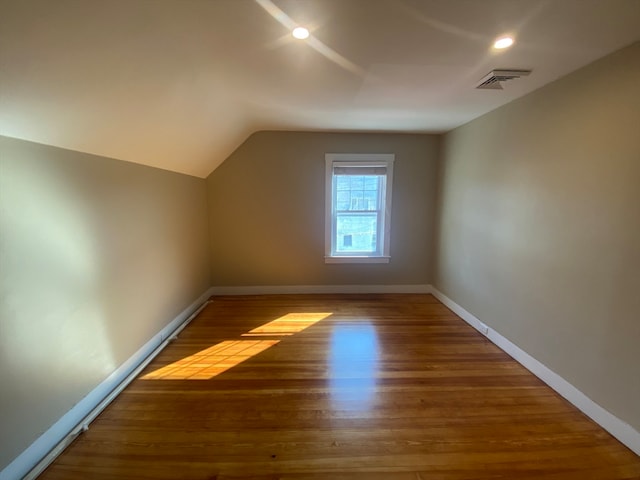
[83,425]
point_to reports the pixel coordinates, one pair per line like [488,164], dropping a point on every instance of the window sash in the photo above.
[360,170]
[362,213]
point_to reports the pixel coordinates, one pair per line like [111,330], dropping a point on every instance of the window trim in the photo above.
[357,159]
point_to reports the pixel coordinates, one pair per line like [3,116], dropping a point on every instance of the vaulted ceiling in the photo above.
[179,84]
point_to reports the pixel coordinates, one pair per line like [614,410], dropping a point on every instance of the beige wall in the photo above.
[266,204]
[539,230]
[97,255]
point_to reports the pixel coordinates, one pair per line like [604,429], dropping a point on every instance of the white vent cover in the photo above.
[493,79]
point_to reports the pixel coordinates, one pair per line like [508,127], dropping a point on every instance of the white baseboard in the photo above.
[309,289]
[30,463]
[624,432]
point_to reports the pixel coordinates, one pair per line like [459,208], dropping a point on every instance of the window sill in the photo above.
[346,259]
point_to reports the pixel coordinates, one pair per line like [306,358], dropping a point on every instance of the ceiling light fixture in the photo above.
[300,33]
[503,42]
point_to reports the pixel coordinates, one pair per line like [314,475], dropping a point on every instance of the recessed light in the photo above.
[300,33]
[503,42]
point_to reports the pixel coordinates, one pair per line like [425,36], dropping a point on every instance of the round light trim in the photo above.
[300,33]
[503,42]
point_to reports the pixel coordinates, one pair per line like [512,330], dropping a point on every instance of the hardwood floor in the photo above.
[339,387]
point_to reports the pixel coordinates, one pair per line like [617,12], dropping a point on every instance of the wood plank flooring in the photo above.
[339,387]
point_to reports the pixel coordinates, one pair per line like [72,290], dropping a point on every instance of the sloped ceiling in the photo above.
[179,84]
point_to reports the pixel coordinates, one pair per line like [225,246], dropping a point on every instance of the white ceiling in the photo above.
[179,84]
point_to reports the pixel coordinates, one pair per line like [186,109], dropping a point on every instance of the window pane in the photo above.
[342,182]
[370,200]
[357,182]
[371,182]
[356,233]
[357,200]
[343,200]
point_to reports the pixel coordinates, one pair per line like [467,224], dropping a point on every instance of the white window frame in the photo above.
[384,224]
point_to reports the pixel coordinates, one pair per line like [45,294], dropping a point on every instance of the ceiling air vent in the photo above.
[493,79]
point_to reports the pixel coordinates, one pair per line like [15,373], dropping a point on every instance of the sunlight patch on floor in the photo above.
[288,324]
[219,358]
[212,361]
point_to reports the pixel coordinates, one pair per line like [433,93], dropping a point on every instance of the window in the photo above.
[358,207]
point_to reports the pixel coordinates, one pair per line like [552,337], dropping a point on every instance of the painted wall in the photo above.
[539,227]
[97,255]
[267,200]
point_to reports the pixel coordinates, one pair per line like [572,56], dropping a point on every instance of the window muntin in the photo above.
[358,207]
